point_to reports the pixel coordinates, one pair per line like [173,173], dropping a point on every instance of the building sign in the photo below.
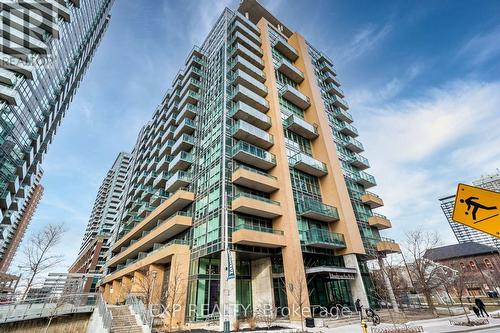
[230,266]
[478,208]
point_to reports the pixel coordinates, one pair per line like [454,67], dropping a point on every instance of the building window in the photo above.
[472,265]
[488,264]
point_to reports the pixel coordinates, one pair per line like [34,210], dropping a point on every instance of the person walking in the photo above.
[476,310]
[481,306]
[359,308]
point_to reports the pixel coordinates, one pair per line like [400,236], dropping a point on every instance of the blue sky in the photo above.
[422,80]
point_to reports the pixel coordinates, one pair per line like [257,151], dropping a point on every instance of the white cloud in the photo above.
[421,147]
[482,47]
[364,40]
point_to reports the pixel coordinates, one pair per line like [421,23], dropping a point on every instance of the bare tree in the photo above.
[146,287]
[37,253]
[459,283]
[423,270]
[297,287]
[266,313]
[174,295]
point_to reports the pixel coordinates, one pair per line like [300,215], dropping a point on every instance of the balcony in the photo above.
[379,221]
[372,200]
[175,202]
[325,66]
[307,164]
[241,39]
[166,148]
[252,235]
[245,31]
[240,77]
[317,210]
[290,71]
[191,84]
[185,142]
[178,180]
[359,162]
[188,111]
[245,66]
[247,22]
[387,246]
[251,204]
[254,179]
[328,77]
[349,130]
[163,230]
[339,102]
[245,95]
[9,95]
[250,154]
[342,115]
[191,97]
[145,210]
[181,161]
[160,253]
[195,56]
[161,179]
[366,180]
[301,127]
[162,164]
[334,89]
[324,239]
[294,96]
[242,130]
[187,126]
[240,50]
[242,111]
[353,145]
[285,48]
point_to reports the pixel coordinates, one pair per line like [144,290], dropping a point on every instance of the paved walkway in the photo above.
[438,325]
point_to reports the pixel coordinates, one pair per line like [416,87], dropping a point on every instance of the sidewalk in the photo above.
[437,325]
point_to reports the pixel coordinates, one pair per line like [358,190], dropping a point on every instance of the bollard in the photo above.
[364,327]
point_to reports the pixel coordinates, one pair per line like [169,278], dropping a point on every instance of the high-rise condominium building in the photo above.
[45,49]
[248,180]
[463,233]
[95,244]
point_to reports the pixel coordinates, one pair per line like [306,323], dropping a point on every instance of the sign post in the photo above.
[478,208]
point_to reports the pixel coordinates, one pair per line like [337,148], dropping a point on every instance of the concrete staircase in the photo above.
[124,321]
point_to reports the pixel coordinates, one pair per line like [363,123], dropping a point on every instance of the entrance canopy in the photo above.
[332,272]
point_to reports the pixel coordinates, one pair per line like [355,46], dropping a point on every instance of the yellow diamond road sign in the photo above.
[478,208]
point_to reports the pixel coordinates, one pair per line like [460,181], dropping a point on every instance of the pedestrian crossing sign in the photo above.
[478,208]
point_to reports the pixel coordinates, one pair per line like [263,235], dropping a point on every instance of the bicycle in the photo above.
[372,316]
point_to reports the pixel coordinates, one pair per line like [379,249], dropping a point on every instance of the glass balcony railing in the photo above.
[240,38]
[184,142]
[251,154]
[245,95]
[294,96]
[308,164]
[342,115]
[324,238]
[244,52]
[353,145]
[348,129]
[292,72]
[366,179]
[285,48]
[255,197]
[178,180]
[259,172]
[245,131]
[253,227]
[301,127]
[317,210]
[359,161]
[249,114]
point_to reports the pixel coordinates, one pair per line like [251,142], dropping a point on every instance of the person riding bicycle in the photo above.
[371,314]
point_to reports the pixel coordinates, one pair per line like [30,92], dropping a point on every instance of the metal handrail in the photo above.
[105,312]
[140,309]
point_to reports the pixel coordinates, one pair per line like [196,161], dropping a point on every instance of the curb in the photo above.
[478,328]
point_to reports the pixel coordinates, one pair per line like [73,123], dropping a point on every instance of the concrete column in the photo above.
[106,294]
[357,286]
[177,288]
[156,275]
[262,284]
[115,294]
[126,287]
[228,306]
[388,285]
[136,283]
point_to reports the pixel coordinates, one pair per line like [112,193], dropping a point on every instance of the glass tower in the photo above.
[248,181]
[45,49]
